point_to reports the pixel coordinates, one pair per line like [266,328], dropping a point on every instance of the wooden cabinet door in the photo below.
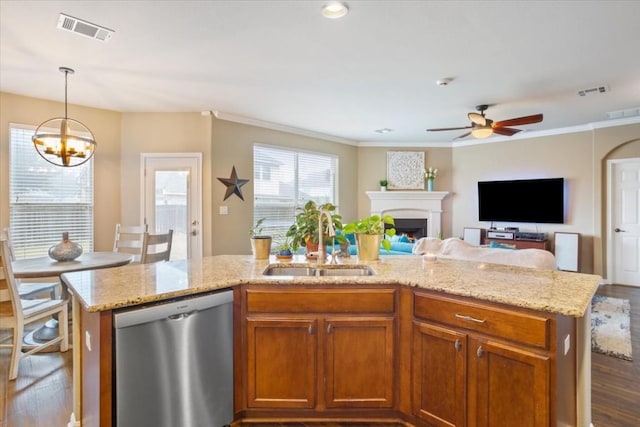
[510,386]
[439,375]
[359,362]
[281,356]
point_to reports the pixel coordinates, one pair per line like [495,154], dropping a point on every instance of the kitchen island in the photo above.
[541,314]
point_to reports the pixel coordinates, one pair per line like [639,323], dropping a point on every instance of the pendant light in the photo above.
[63,141]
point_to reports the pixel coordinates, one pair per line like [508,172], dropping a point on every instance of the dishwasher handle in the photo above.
[173,310]
[182,315]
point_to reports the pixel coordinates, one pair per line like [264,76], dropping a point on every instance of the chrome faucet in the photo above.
[332,233]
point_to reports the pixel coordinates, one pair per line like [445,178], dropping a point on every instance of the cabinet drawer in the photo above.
[320,300]
[519,326]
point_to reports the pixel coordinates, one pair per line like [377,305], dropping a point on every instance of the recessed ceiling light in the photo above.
[383,130]
[335,9]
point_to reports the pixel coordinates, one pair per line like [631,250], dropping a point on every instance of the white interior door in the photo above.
[172,192]
[624,221]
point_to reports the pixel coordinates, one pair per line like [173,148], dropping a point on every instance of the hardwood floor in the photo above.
[615,383]
[42,394]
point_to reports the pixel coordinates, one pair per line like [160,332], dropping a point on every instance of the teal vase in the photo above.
[430,185]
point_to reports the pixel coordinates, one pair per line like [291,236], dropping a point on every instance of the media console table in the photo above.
[520,244]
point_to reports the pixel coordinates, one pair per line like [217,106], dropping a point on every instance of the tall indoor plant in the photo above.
[304,231]
[371,234]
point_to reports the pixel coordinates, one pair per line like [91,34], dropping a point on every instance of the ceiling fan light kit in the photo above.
[481,127]
[482,131]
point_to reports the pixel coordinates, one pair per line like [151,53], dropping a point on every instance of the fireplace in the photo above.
[424,206]
[413,228]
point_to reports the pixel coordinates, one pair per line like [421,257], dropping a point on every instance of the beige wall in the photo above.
[164,133]
[372,167]
[233,146]
[566,156]
[609,143]
[578,157]
[105,126]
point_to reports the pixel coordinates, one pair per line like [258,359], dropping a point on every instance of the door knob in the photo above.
[619,230]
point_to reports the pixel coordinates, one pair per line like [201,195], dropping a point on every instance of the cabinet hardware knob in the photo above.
[469,318]
[458,345]
[329,328]
[480,352]
[310,330]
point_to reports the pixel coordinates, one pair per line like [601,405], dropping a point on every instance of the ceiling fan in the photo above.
[482,127]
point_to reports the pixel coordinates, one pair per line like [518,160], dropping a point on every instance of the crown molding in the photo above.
[279,127]
[526,134]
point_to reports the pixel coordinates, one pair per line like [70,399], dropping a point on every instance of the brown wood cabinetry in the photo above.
[319,348]
[439,375]
[375,353]
[482,365]
[281,362]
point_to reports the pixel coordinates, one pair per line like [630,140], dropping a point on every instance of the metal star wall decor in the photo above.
[234,184]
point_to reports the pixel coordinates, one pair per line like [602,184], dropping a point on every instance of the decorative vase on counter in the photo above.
[430,184]
[65,250]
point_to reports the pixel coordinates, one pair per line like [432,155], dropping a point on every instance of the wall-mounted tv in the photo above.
[523,200]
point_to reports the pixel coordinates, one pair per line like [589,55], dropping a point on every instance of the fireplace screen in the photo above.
[413,228]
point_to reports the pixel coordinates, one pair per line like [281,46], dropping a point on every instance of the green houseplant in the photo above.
[283,249]
[371,234]
[304,231]
[260,243]
[383,184]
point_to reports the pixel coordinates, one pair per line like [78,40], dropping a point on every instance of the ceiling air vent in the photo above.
[593,90]
[621,114]
[84,28]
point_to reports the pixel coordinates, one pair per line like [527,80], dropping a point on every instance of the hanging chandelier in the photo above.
[63,141]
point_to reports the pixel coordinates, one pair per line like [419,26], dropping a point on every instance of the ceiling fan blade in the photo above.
[506,131]
[526,120]
[439,129]
[477,118]
[462,136]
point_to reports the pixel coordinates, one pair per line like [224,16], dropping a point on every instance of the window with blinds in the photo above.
[46,200]
[285,179]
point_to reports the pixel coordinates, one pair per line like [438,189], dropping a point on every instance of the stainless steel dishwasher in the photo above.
[174,363]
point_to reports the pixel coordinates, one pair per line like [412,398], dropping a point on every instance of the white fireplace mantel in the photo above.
[410,204]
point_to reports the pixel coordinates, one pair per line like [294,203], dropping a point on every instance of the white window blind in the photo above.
[46,200]
[284,179]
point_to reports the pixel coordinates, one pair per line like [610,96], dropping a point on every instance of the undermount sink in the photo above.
[277,270]
[320,271]
[345,271]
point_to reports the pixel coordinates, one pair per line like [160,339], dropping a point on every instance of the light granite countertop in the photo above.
[543,290]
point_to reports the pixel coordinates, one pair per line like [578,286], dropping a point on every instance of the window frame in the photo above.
[32,225]
[297,199]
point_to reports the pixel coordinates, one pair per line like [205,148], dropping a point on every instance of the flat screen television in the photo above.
[524,200]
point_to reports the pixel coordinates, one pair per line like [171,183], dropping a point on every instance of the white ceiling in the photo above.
[283,62]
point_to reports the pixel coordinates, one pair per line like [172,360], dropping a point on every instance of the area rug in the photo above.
[610,331]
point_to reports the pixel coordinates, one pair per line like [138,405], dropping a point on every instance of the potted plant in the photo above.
[260,243]
[283,250]
[370,234]
[304,231]
[383,184]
